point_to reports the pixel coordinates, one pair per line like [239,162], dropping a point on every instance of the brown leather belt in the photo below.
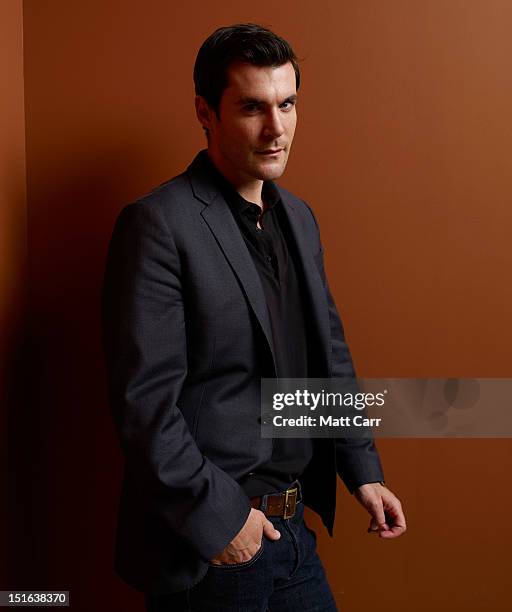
[278,504]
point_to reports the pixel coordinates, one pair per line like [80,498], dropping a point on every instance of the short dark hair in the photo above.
[243,42]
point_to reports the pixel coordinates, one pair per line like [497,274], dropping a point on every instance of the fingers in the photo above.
[394,524]
[394,532]
[376,509]
[269,531]
[393,509]
[396,529]
[374,527]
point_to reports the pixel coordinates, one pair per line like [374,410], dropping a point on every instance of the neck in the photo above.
[249,188]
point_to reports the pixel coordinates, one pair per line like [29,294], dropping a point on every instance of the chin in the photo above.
[269,172]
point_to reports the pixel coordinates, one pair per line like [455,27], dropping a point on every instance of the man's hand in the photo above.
[385,509]
[248,541]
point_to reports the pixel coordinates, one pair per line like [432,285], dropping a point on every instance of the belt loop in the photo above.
[264,503]
[299,486]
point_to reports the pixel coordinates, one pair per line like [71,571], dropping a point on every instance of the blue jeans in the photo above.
[285,575]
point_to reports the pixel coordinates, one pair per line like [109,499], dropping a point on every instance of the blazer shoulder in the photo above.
[171,202]
[170,195]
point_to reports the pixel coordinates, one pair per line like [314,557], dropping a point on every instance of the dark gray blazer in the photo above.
[187,340]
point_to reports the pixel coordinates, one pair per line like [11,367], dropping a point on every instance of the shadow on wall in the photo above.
[65,466]
[12,317]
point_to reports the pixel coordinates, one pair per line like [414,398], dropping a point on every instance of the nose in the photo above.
[273,127]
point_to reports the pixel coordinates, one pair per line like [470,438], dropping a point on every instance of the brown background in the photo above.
[403,149]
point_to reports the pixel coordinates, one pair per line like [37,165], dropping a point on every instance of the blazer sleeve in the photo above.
[357,460]
[144,342]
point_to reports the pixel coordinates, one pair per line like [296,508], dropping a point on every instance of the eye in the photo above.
[287,105]
[251,107]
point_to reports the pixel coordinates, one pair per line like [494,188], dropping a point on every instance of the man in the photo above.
[215,280]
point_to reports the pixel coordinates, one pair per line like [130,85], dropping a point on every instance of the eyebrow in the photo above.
[249,100]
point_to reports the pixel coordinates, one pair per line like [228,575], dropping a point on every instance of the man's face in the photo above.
[252,136]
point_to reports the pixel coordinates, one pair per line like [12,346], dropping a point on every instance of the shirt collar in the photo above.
[236,202]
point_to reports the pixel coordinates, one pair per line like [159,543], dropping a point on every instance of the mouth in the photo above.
[270,152]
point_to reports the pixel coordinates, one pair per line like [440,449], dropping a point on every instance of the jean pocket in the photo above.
[239,566]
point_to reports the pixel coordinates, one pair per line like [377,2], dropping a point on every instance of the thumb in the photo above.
[374,526]
[269,531]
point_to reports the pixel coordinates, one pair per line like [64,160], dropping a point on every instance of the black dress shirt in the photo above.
[274,254]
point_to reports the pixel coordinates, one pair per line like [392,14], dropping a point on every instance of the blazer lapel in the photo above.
[314,285]
[220,220]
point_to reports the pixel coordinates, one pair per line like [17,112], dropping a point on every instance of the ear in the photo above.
[203,113]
